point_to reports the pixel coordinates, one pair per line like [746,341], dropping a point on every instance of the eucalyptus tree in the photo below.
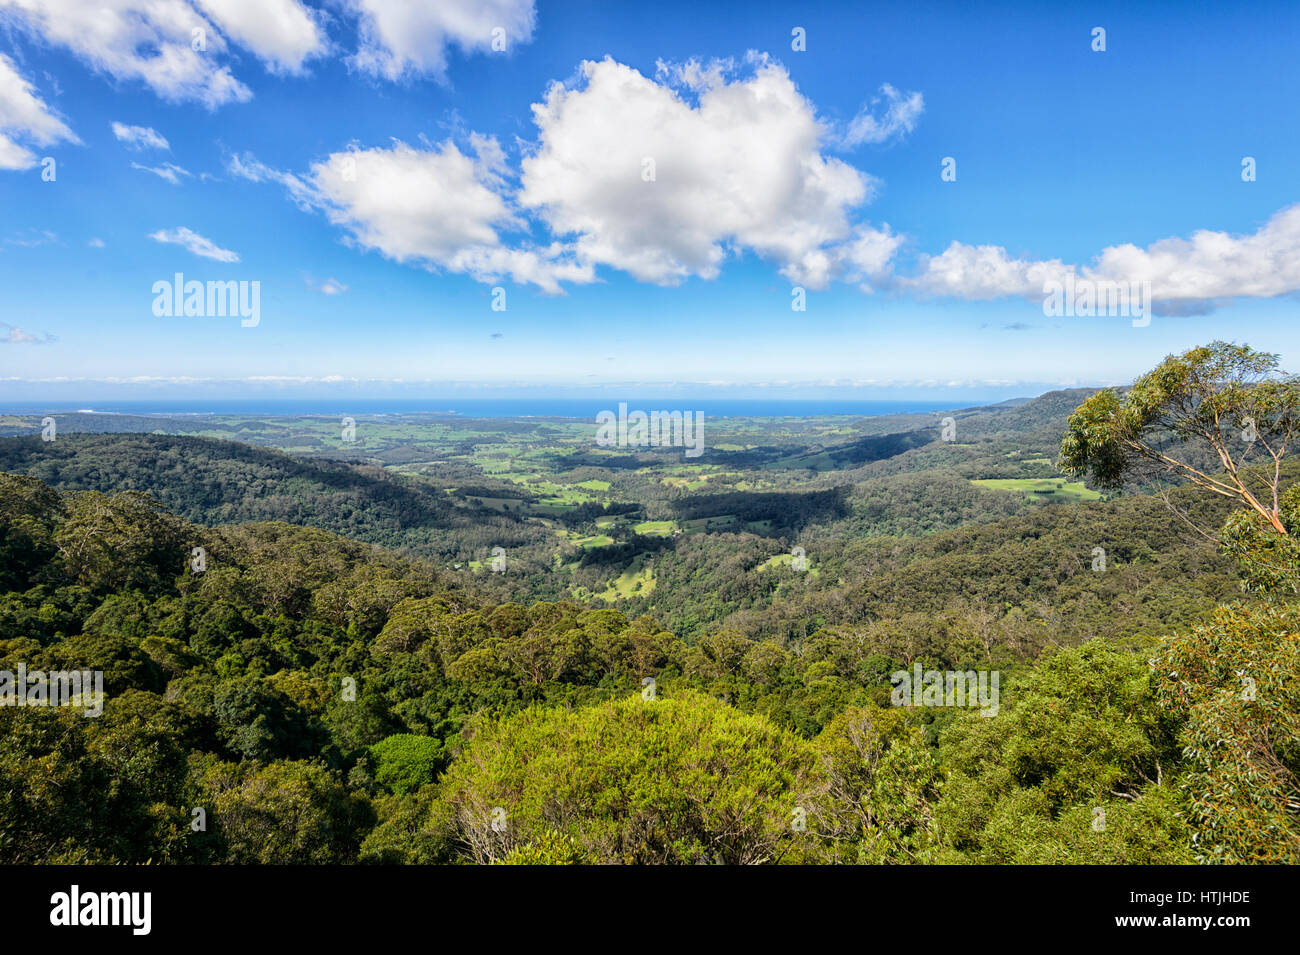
[1221,416]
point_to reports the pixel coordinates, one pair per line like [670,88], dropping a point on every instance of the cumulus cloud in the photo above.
[25,116]
[282,33]
[398,37]
[191,240]
[1187,275]
[1215,265]
[181,49]
[739,168]
[984,272]
[437,208]
[889,115]
[168,171]
[865,258]
[868,258]
[412,204]
[176,47]
[147,40]
[140,137]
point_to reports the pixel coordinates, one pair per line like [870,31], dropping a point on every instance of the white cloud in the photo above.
[984,272]
[437,208]
[168,170]
[96,243]
[13,156]
[412,204]
[283,33]
[140,137]
[1190,275]
[739,169]
[1214,266]
[868,257]
[889,115]
[25,115]
[864,258]
[13,335]
[147,40]
[401,36]
[154,41]
[195,243]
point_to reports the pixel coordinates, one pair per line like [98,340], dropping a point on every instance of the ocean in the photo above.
[586,408]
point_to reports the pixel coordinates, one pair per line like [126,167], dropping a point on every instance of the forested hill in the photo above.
[927,534]
[1043,416]
[1050,576]
[325,701]
[213,482]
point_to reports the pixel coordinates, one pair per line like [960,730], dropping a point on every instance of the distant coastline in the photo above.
[488,407]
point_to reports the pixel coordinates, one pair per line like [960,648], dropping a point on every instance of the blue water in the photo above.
[586,408]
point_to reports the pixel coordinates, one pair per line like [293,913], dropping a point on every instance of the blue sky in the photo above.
[379,171]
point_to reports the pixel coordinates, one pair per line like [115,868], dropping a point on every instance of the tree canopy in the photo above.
[1229,399]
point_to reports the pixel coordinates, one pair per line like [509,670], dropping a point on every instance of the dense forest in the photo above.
[293,673]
